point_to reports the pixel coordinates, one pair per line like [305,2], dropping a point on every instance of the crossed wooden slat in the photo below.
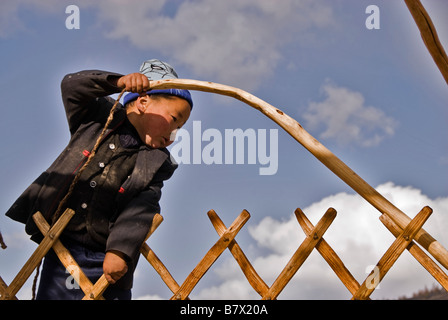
[402,241]
[314,239]
[51,240]
[418,253]
[215,251]
[227,235]
[50,237]
[301,254]
[4,288]
[329,254]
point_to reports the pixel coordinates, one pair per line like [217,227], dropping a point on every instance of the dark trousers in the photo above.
[56,283]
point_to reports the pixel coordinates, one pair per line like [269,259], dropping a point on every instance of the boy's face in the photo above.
[156,118]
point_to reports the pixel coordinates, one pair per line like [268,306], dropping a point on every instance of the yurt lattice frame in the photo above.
[408,232]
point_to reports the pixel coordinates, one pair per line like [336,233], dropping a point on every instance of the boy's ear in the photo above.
[142,103]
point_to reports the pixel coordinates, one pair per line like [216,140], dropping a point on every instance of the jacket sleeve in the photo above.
[130,229]
[132,225]
[81,90]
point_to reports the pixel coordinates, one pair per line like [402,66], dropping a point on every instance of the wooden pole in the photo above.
[393,253]
[45,245]
[4,290]
[324,155]
[329,254]
[301,254]
[155,262]
[418,254]
[214,253]
[2,242]
[102,284]
[252,276]
[429,35]
[65,257]
[159,267]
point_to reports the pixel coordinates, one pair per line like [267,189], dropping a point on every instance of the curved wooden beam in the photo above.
[429,35]
[318,150]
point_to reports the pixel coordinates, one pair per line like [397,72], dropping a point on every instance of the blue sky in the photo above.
[373,97]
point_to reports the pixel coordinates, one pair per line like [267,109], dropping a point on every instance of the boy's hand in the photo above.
[134,82]
[114,267]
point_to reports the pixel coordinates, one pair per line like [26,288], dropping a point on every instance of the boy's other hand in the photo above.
[114,267]
[134,82]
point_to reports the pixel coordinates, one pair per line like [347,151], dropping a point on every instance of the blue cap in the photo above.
[155,69]
[181,93]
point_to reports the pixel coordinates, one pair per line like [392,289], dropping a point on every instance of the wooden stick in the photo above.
[418,254]
[102,284]
[156,222]
[98,289]
[429,35]
[393,253]
[2,242]
[211,256]
[45,245]
[301,255]
[252,276]
[4,291]
[329,255]
[156,263]
[65,257]
[160,268]
[324,155]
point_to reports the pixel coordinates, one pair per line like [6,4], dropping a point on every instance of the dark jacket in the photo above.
[87,108]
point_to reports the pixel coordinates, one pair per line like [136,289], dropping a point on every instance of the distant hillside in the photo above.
[436,293]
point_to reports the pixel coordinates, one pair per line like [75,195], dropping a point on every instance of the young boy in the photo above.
[118,193]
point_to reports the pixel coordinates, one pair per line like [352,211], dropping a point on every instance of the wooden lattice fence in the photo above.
[314,240]
[401,226]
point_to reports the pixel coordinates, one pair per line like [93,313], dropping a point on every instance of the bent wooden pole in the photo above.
[429,35]
[318,150]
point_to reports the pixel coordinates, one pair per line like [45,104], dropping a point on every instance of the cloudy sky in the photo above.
[372,96]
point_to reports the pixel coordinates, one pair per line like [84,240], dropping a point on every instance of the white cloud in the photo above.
[346,119]
[357,236]
[233,42]
[10,21]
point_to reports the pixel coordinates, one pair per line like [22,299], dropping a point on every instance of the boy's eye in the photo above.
[174,118]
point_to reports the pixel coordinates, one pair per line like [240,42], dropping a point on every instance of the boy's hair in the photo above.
[155,96]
